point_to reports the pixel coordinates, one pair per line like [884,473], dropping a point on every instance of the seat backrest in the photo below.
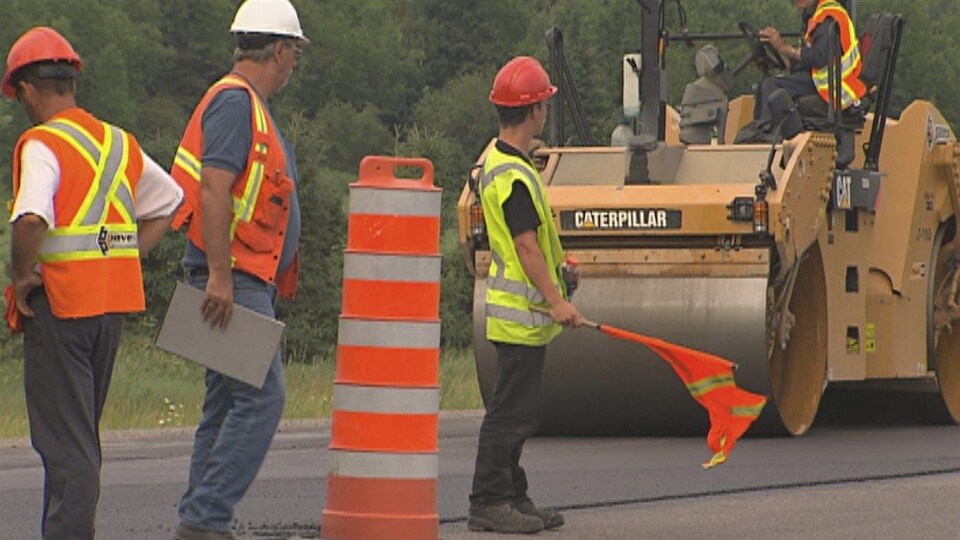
[703,112]
[876,43]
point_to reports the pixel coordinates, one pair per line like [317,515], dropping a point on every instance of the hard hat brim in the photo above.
[525,99]
[300,38]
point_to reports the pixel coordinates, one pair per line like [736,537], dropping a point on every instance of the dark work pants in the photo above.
[796,84]
[67,364]
[512,416]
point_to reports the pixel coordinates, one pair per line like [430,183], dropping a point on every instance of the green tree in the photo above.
[458,36]
[346,134]
[461,111]
[312,319]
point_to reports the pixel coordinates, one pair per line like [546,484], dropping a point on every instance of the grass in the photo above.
[153,389]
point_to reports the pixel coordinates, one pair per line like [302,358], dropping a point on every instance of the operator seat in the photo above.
[703,108]
[877,47]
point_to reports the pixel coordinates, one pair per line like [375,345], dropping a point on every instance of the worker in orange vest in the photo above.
[810,61]
[88,204]
[243,226]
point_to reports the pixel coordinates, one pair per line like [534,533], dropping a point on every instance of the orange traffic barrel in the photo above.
[383,464]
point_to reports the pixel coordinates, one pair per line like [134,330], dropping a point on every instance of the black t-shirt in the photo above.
[519,210]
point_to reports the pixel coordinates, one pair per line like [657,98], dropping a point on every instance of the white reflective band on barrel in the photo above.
[406,335]
[383,399]
[529,318]
[498,282]
[394,202]
[382,465]
[424,269]
[487,178]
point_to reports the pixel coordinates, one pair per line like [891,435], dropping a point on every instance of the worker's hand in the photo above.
[217,307]
[772,36]
[22,288]
[565,313]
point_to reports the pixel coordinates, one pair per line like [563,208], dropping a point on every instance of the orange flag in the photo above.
[709,379]
[12,316]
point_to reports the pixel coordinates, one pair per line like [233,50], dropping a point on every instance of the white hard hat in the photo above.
[274,17]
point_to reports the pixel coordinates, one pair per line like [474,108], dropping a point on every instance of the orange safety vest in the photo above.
[90,260]
[851,87]
[261,193]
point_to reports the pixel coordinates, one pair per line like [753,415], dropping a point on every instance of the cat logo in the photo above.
[620,219]
[936,133]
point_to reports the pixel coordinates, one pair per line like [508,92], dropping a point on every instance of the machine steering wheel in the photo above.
[762,53]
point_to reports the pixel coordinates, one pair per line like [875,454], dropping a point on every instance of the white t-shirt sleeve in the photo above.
[158,194]
[39,180]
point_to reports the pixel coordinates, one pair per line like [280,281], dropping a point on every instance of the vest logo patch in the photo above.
[621,219]
[107,240]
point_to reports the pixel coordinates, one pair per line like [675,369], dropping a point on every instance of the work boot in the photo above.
[185,532]
[551,518]
[502,518]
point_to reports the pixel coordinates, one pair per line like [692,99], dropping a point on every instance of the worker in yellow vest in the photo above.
[525,272]
[810,61]
[88,204]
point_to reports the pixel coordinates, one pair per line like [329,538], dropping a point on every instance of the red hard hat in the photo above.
[39,44]
[521,81]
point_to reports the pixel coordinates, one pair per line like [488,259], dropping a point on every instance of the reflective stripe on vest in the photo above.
[88,236]
[487,178]
[499,282]
[522,316]
[851,87]
[244,205]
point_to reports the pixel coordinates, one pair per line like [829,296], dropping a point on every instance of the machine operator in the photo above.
[810,61]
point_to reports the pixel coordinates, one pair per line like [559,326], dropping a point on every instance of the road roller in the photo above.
[827,256]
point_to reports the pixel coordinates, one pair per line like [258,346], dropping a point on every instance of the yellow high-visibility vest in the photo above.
[510,293]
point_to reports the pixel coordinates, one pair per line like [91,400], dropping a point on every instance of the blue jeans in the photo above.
[238,424]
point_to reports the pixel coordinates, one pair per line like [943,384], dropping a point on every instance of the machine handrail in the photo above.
[884,93]
[562,75]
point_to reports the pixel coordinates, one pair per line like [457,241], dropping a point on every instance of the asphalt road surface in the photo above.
[867,480]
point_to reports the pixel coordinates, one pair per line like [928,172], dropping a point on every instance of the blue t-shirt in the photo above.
[227,136]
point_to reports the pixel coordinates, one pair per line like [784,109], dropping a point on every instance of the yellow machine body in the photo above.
[828,295]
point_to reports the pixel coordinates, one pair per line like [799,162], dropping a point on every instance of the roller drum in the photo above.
[597,385]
